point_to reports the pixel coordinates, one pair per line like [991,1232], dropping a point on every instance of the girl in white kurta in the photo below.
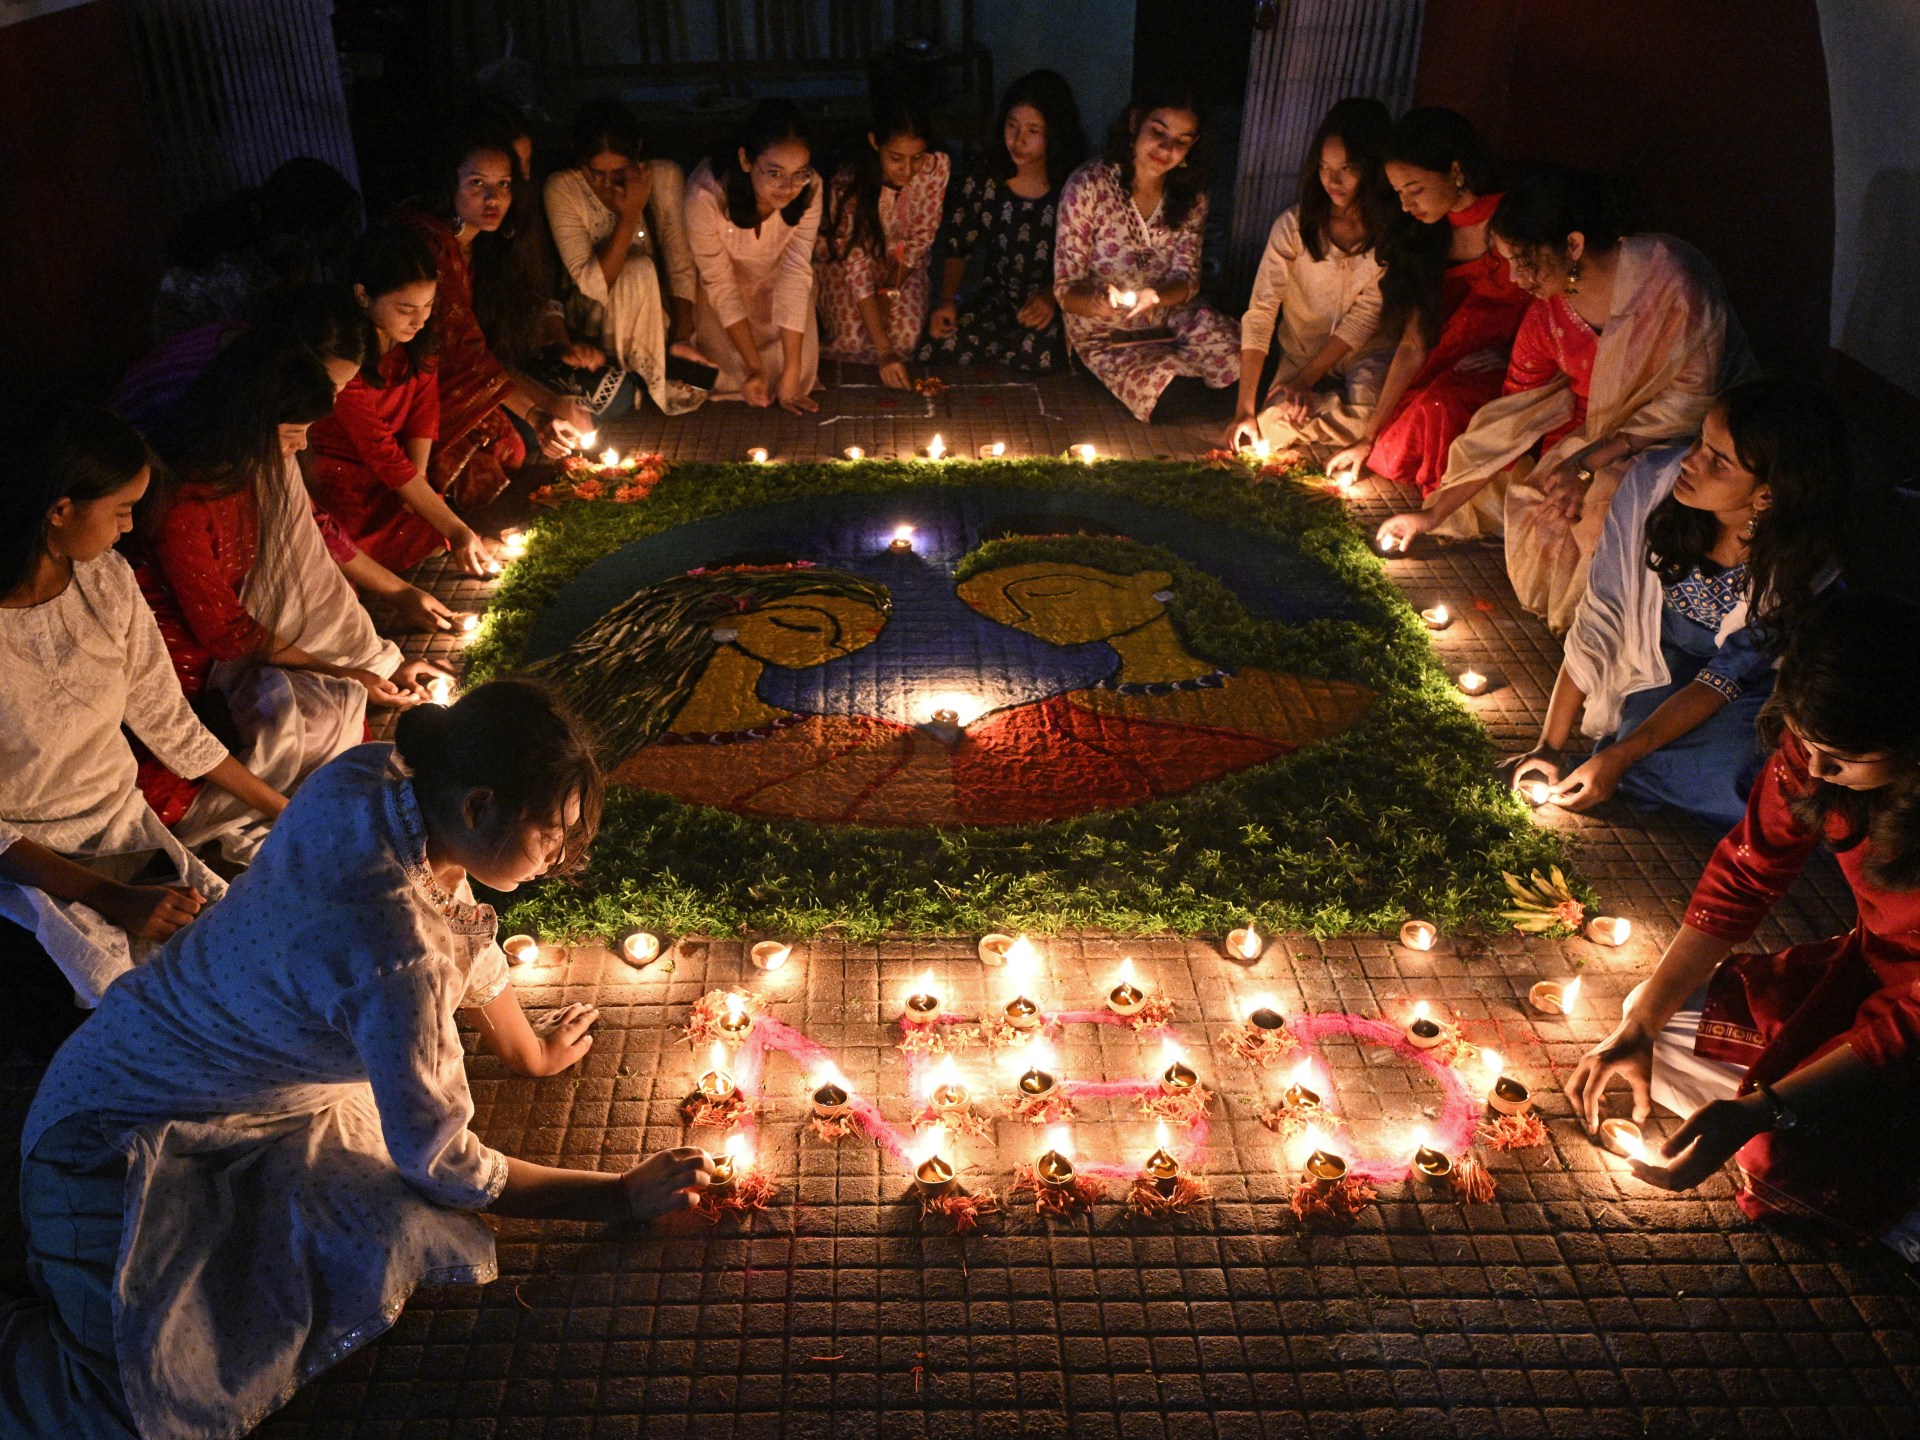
[238,1171]
[85,864]
[618,220]
[1320,285]
[752,226]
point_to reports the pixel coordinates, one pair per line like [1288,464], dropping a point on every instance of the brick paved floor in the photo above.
[1580,1303]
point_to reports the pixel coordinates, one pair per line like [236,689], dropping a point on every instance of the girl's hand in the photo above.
[1144,299]
[1038,312]
[1348,464]
[1244,430]
[414,676]
[470,553]
[415,609]
[380,690]
[1296,406]
[563,1037]
[945,318]
[583,356]
[1713,1135]
[636,188]
[1628,1053]
[559,429]
[793,394]
[1540,763]
[151,912]
[755,392]
[1400,531]
[665,1181]
[1593,781]
[893,374]
[1565,491]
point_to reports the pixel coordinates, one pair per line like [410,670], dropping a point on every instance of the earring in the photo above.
[1753,526]
[1573,278]
[459,227]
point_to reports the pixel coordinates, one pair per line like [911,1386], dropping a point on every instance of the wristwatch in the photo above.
[1783,1117]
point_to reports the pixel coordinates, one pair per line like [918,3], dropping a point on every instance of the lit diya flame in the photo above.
[758,455]
[1262,449]
[1555,997]
[1492,1062]
[1434,1164]
[932,1172]
[514,543]
[469,623]
[1179,1077]
[1609,929]
[993,450]
[1623,1138]
[1536,792]
[732,1163]
[945,1090]
[1121,299]
[640,947]
[1038,1079]
[1472,682]
[609,457]
[902,538]
[1055,1165]
[1418,934]
[521,949]
[1126,998]
[1161,1167]
[923,1005]
[1246,942]
[854,452]
[830,1094]
[717,1084]
[1263,1013]
[1322,1163]
[936,447]
[1423,1030]
[588,439]
[736,1021]
[1298,1094]
[1437,618]
[1085,454]
[1022,960]
[440,690]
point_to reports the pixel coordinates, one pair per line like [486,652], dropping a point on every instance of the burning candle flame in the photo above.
[1021,960]
[1262,449]
[854,452]
[588,439]
[609,457]
[440,690]
[1085,454]
[936,447]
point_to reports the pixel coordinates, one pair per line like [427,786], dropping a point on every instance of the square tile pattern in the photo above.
[1578,1303]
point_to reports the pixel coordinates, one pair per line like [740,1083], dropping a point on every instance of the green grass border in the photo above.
[1297,845]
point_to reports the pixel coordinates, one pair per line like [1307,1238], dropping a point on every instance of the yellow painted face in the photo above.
[1064,603]
[803,630]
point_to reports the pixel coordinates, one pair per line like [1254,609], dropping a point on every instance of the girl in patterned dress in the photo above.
[1710,553]
[1005,213]
[883,210]
[1127,257]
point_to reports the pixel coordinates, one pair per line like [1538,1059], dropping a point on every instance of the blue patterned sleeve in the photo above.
[1740,661]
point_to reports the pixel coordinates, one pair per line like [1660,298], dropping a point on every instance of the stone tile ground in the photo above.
[1580,1303]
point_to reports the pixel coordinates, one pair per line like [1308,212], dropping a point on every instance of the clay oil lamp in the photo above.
[922,1006]
[936,448]
[1055,1165]
[1423,1031]
[946,1092]
[1623,1138]
[1037,1081]
[639,947]
[993,450]
[1472,682]
[1555,997]
[1433,1164]
[932,1171]
[716,1085]
[736,1020]
[1161,1168]
[1437,617]
[770,954]
[1322,1163]
[1609,929]
[831,1098]
[1126,998]
[758,455]
[854,452]
[1022,960]
[1299,1095]
[1510,1097]
[1263,1014]
[902,541]
[1179,1078]
[521,950]
[730,1166]
[1245,943]
[1419,934]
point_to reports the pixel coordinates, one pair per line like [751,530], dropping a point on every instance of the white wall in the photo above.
[1873,79]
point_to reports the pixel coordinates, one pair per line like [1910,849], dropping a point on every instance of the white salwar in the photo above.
[287,1085]
[1312,301]
[73,671]
[628,318]
[291,722]
[761,274]
[1669,345]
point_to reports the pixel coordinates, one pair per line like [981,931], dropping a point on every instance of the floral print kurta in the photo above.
[1102,238]
[1014,235]
[909,218]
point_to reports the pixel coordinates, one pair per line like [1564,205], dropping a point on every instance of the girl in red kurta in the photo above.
[1807,1060]
[1446,292]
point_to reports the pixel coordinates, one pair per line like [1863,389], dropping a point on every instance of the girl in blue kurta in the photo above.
[1708,552]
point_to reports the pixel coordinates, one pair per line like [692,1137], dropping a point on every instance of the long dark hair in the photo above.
[227,439]
[1186,184]
[635,667]
[855,221]
[56,449]
[326,319]
[1790,436]
[770,123]
[517,740]
[1414,253]
[388,258]
[514,275]
[1850,680]
[605,125]
[1361,124]
[1048,92]
[1546,203]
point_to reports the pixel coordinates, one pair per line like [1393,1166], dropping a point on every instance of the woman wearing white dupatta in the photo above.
[269,622]
[1627,342]
[1707,555]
